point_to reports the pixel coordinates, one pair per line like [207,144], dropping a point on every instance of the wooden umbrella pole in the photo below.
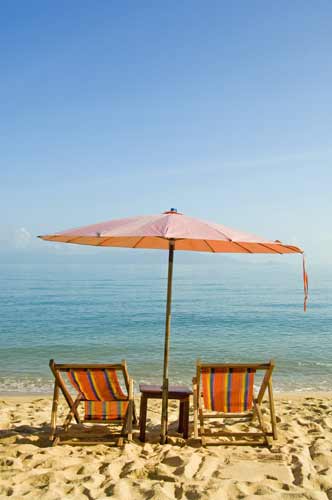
[164,409]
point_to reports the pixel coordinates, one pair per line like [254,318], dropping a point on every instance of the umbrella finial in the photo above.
[172,211]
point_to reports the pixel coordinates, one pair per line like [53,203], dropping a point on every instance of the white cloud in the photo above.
[21,238]
[11,237]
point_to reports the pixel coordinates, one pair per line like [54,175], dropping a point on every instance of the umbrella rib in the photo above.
[111,237]
[49,237]
[53,236]
[138,242]
[210,247]
[241,246]
[270,248]
[292,248]
[72,240]
[224,235]
[104,241]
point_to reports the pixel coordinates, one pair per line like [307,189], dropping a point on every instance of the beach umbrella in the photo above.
[173,231]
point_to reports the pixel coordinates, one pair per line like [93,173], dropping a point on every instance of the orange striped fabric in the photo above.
[100,384]
[228,389]
[105,410]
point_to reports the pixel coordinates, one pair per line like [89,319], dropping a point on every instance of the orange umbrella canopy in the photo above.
[156,231]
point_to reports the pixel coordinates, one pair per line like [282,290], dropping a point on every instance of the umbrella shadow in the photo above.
[77,434]
[38,435]
[28,434]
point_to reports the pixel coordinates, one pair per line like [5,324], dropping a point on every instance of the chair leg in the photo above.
[272,411]
[130,421]
[54,411]
[124,430]
[195,409]
[254,412]
[72,413]
[195,424]
[130,411]
[56,441]
[201,424]
[201,416]
[262,424]
[120,441]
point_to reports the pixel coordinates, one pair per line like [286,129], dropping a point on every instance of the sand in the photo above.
[298,466]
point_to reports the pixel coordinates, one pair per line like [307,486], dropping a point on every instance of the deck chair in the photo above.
[227,391]
[98,387]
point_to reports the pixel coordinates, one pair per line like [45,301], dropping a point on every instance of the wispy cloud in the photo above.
[22,238]
[15,237]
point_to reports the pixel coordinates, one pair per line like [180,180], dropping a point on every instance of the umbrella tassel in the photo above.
[305,283]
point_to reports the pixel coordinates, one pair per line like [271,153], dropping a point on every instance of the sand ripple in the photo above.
[299,466]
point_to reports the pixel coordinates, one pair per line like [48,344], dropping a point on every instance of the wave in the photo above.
[38,385]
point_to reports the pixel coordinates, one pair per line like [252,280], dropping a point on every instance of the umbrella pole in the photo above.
[164,409]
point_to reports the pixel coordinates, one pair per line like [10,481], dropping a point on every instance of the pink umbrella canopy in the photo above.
[173,231]
[156,231]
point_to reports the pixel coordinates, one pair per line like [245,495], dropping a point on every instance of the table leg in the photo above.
[142,417]
[186,418]
[181,408]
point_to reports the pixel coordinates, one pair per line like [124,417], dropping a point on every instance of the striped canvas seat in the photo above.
[228,390]
[102,393]
[105,390]
[105,410]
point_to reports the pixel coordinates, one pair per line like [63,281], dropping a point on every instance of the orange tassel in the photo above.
[305,283]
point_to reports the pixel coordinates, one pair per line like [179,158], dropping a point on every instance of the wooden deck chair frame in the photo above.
[61,385]
[256,410]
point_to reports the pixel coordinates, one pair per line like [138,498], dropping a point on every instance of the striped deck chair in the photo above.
[227,391]
[97,386]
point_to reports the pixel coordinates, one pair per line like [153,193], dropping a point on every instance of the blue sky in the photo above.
[111,109]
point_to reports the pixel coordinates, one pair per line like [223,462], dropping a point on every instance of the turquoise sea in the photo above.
[223,310]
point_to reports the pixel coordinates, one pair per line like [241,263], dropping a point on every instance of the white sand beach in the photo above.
[298,466]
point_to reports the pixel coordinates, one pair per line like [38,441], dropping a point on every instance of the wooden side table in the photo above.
[179,392]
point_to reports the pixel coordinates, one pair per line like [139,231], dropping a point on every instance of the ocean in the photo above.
[223,310]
